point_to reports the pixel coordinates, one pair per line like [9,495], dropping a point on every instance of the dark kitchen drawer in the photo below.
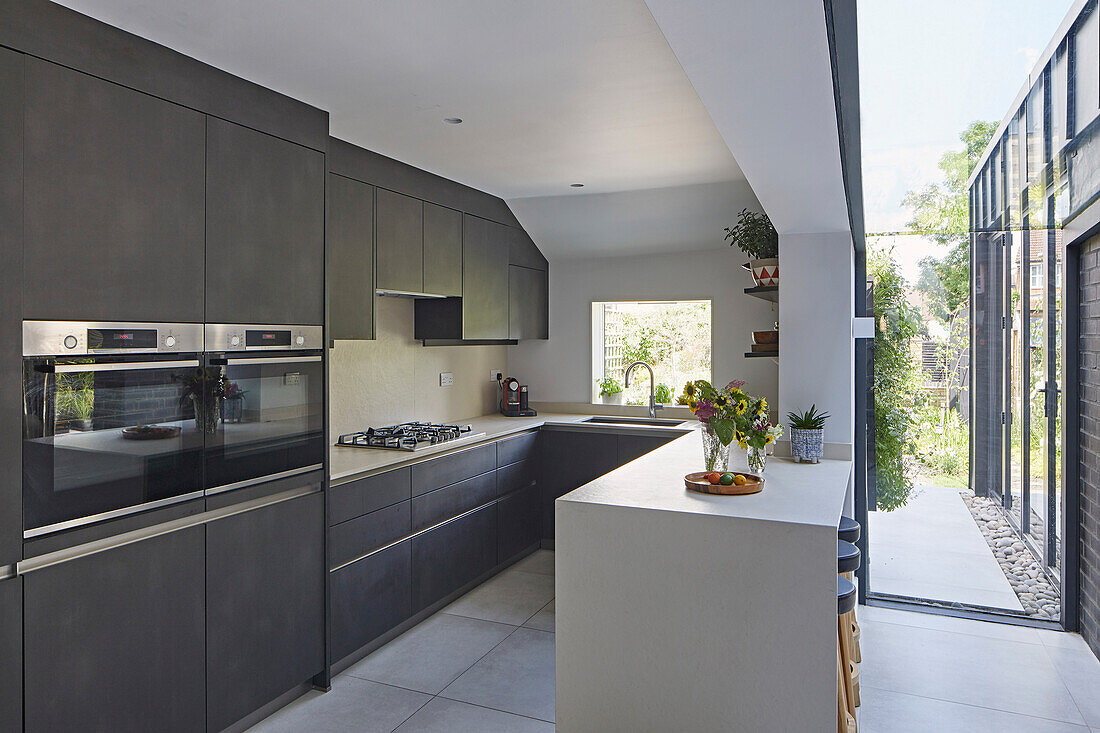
[519,448]
[453,467]
[519,522]
[450,501]
[515,476]
[356,498]
[356,537]
[450,556]
[370,597]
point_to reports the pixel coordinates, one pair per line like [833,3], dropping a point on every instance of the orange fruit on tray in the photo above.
[713,477]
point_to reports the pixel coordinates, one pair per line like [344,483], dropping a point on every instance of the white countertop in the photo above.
[348,464]
[793,492]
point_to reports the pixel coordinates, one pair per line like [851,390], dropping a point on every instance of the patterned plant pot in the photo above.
[807,446]
[765,272]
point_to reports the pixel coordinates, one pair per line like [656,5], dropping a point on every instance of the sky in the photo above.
[928,68]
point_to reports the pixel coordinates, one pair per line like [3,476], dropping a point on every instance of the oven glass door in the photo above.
[104,437]
[271,418]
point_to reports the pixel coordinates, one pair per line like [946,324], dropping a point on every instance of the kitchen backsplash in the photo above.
[394,379]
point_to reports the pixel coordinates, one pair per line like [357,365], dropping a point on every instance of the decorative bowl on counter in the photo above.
[698,482]
[150,432]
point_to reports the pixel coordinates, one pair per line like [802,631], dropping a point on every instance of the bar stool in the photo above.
[847,562]
[845,604]
[849,531]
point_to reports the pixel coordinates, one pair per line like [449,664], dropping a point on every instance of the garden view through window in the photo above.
[674,337]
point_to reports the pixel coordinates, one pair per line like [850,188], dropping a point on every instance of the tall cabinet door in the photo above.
[265,228]
[114,201]
[400,241]
[528,303]
[484,279]
[265,578]
[350,257]
[11,652]
[115,641]
[442,250]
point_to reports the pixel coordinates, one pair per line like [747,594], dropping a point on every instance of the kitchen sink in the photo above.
[648,421]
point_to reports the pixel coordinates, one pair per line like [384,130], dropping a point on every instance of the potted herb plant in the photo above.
[808,434]
[755,236]
[611,391]
[662,395]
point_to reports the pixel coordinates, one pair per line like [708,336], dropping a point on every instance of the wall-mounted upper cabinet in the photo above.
[522,251]
[265,228]
[350,258]
[528,303]
[399,228]
[484,279]
[113,201]
[442,250]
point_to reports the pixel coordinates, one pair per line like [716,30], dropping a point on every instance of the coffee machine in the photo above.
[514,399]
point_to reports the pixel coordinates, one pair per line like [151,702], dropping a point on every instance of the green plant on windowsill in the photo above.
[663,394]
[610,386]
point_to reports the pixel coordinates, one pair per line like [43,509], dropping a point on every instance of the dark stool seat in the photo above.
[847,557]
[848,529]
[845,596]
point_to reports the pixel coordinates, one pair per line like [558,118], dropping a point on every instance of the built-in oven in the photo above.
[268,384]
[109,420]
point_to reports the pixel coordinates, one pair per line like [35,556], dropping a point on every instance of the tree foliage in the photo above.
[895,379]
[942,211]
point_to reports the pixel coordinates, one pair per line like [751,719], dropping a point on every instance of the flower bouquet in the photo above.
[728,414]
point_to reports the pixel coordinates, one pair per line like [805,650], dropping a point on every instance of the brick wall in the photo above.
[1089,397]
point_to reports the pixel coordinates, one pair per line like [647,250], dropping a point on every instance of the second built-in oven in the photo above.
[265,393]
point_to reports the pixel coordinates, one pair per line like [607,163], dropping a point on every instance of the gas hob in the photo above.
[408,436]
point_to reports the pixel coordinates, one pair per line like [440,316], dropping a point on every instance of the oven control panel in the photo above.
[77,338]
[252,337]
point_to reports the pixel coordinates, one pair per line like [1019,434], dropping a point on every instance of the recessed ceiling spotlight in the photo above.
[576,185]
[453,120]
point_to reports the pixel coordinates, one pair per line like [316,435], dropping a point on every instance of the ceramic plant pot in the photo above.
[807,446]
[765,272]
[612,399]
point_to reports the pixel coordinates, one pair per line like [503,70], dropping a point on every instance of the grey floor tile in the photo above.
[543,620]
[429,656]
[883,711]
[510,598]
[449,716]
[539,561]
[1080,671]
[516,677]
[990,673]
[351,706]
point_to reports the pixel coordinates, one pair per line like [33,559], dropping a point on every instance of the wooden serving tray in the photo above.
[696,482]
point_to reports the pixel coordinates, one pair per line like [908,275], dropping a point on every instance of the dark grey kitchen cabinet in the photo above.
[11,654]
[349,256]
[265,619]
[519,524]
[265,228]
[400,242]
[442,504]
[115,641]
[484,279]
[448,557]
[356,498]
[370,597]
[11,306]
[568,459]
[528,303]
[453,467]
[517,448]
[355,538]
[114,202]
[522,250]
[635,446]
[442,250]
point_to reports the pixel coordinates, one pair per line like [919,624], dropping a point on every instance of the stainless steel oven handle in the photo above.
[122,366]
[266,360]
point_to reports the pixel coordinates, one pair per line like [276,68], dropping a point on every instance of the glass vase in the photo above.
[716,457]
[758,458]
[207,414]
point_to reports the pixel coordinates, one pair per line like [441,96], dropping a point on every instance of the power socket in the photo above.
[446,379]
[495,375]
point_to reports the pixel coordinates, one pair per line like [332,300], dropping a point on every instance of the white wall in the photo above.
[817,364]
[560,369]
[395,379]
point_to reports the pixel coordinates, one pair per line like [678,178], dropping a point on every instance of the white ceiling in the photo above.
[550,93]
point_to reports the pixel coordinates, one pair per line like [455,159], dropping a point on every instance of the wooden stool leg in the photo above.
[844,628]
[846,634]
[845,721]
[856,655]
